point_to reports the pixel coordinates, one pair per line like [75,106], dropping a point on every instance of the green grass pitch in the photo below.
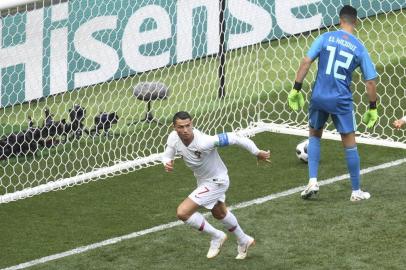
[328,233]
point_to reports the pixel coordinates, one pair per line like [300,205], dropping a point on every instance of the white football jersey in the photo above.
[201,154]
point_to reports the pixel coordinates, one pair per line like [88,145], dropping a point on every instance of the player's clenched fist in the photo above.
[169,166]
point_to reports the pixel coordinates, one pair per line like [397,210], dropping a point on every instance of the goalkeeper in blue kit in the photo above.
[339,53]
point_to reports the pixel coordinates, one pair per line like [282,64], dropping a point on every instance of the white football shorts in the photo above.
[207,194]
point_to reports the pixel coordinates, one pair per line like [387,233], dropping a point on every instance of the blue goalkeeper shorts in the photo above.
[344,123]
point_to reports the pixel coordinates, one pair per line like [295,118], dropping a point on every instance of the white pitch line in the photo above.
[177,223]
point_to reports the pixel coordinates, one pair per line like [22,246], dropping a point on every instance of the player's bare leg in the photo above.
[244,241]
[187,212]
[313,151]
[186,209]
[353,165]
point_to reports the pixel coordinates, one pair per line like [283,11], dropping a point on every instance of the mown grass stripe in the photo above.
[169,225]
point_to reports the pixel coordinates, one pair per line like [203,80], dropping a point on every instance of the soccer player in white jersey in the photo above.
[199,152]
[339,53]
[399,122]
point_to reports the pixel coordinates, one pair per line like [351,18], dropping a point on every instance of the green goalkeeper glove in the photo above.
[370,117]
[295,99]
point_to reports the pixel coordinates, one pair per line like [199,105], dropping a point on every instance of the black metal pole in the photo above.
[222,51]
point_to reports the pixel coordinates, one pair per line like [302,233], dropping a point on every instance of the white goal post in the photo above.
[88,87]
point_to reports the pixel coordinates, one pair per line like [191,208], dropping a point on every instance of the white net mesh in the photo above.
[101,79]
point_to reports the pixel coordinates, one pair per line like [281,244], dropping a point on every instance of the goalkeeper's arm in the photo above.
[371,92]
[303,69]
[295,97]
[370,117]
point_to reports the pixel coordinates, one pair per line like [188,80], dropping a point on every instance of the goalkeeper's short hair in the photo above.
[348,13]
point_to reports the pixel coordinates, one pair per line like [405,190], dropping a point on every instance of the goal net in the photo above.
[89,87]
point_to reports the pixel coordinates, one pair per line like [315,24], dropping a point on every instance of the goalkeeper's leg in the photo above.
[345,124]
[317,120]
[353,165]
[313,152]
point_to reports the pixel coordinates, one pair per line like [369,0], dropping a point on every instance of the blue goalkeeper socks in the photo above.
[353,165]
[313,152]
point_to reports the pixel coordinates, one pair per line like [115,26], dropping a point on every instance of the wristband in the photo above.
[372,105]
[297,86]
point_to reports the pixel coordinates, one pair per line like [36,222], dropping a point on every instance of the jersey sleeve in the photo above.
[367,67]
[209,142]
[170,151]
[316,48]
[230,138]
[168,155]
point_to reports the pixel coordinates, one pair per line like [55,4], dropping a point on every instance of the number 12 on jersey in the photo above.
[338,63]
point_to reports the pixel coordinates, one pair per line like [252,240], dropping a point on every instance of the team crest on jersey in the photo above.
[198,154]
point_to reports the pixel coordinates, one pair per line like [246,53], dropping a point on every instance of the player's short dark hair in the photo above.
[348,13]
[181,115]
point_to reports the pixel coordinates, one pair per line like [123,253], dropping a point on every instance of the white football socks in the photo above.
[231,223]
[198,221]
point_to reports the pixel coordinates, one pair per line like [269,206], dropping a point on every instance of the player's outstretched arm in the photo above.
[399,123]
[231,138]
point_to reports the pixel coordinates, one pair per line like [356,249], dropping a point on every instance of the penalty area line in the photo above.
[169,225]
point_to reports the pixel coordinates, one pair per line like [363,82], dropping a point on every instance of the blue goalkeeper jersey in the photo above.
[339,53]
